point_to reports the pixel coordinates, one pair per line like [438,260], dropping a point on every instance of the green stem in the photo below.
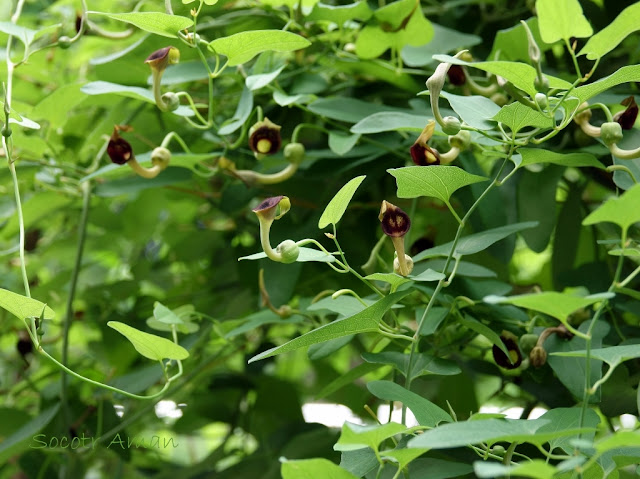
[106,386]
[82,233]
[441,283]
[603,305]
[626,281]
[573,57]
[16,191]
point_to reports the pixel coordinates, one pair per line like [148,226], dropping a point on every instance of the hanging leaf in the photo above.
[531,156]
[610,37]
[339,14]
[518,116]
[521,75]
[355,437]
[623,211]
[342,144]
[439,181]
[365,321]
[561,20]
[427,413]
[626,74]
[242,47]
[557,305]
[153,22]
[23,307]
[390,121]
[312,468]
[476,242]
[104,88]
[477,111]
[338,204]
[149,345]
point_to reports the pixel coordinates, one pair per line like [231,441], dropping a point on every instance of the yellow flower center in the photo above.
[263,146]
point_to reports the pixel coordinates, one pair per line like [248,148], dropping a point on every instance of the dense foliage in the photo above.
[215,212]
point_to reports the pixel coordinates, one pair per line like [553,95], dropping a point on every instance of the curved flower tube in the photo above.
[582,119]
[293,152]
[158,61]
[121,152]
[267,212]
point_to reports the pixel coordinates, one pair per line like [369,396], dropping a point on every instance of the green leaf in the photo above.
[618,440]
[422,364]
[613,355]
[13,444]
[521,75]
[568,418]
[432,468]
[313,469]
[464,268]
[55,106]
[428,275]
[243,110]
[338,204]
[242,47]
[34,209]
[477,111]
[340,14]
[350,110]
[610,37]
[306,254]
[390,121]
[150,345]
[571,371]
[517,116]
[255,82]
[133,184]
[400,23]
[258,319]
[24,34]
[427,413]
[322,350]
[444,40]
[626,74]
[402,457]
[439,181]
[286,100]
[513,44]
[432,321]
[23,307]
[561,20]
[354,436]
[557,305]
[342,144]
[531,156]
[365,321]
[484,330]
[393,279]
[460,434]
[164,314]
[623,210]
[476,242]
[536,194]
[344,305]
[104,88]
[536,468]
[153,22]
[347,378]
